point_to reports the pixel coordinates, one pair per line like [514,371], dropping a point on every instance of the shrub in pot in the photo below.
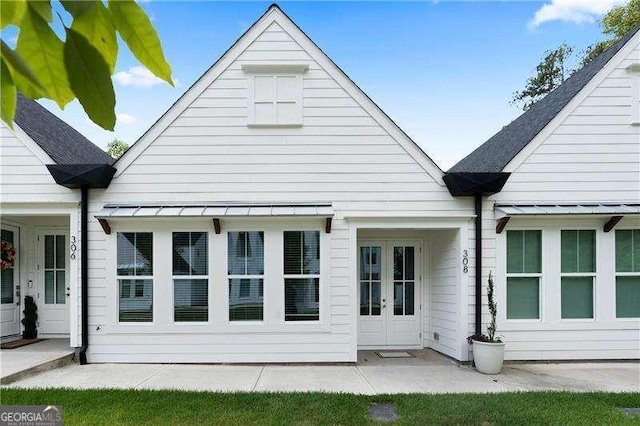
[30,318]
[488,350]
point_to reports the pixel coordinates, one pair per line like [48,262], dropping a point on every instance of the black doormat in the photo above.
[20,343]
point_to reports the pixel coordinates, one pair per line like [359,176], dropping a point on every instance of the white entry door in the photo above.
[10,281]
[389,294]
[53,288]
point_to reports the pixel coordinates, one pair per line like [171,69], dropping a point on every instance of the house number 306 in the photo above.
[73,247]
[465,261]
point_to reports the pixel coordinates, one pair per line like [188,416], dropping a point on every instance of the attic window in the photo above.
[634,69]
[275,94]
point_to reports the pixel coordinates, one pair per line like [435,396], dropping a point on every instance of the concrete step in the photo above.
[37,369]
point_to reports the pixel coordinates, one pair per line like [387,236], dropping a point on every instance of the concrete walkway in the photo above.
[369,376]
[28,360]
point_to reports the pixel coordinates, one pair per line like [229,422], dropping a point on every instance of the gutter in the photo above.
[83,177]
[477,185]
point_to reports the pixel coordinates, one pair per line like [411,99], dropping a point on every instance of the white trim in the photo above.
[275,15]
[634,71]
[600,76]
[269,68]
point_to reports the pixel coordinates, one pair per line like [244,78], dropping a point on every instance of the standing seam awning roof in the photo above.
[215,210]
[565,209]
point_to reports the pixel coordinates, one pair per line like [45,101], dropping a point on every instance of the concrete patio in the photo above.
[427,372]
[25,361]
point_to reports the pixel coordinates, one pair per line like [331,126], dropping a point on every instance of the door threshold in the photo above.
[12,338]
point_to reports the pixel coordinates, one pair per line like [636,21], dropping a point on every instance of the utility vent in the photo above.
[436,336]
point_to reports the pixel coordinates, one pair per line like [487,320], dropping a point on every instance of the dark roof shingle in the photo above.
[501,148]
[63,143]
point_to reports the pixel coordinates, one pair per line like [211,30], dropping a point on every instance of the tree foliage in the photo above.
[617,22]
[551,72]
[116,148]
[44,66]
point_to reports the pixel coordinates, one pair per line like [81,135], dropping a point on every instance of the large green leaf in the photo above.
[42,51]
[11,12]
[17,66]
[75,7]
[90,79]
[136,30]
[8,98]
[95,24]
[43,7]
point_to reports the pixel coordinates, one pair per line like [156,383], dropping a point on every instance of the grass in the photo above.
[176,407]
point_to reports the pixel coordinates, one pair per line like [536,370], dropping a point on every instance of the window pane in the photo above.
[515,255]
[408,298]
[140,307]
[61,287]
[376,297]
[365,263]
[398,298]
[569,251]
[523,298]
[255,253]
[628,297]
[49,287]
[6,287]
[293,252]
[532,252]
[636,250]
[577,297]
[190,300]
[49,251]
[624,250]
[126,253]
[376,263]
[409,260]
[398,263]
[311,253]
[60,251]
[135,253]
[301,299]
[249,307]
[144,253]
[364,298]
[586,251]
[245,253]
[190,253]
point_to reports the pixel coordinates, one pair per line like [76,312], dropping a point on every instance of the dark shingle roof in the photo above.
[501,148]
[63,143]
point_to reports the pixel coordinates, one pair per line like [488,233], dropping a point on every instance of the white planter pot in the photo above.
[488,357]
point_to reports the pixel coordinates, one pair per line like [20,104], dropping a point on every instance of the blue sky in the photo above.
[444,71]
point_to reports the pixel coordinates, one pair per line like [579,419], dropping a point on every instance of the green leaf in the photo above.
[15,63]
[95,24]
[90,79]
[8,98]
[11,12]
[75,7]
[43,8]
[136,30]
[42,51]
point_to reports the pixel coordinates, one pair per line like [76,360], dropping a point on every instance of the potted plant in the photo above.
[488,350]
[30,318]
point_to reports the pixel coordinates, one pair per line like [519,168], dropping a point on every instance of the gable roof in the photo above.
[275,14]
[501,148]
[63,143]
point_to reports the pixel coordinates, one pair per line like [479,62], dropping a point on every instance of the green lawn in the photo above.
[173,407]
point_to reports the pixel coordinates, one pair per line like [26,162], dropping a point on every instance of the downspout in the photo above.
[478,203]
[84,271]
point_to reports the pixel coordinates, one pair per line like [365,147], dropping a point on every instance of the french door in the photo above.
[10,281]
[389,289]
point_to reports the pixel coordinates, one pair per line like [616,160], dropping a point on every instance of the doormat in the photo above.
[394,354]
[19,343]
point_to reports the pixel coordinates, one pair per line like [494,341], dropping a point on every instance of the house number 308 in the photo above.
[73,247]
[465,261]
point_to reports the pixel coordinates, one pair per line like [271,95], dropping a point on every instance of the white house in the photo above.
[276,214]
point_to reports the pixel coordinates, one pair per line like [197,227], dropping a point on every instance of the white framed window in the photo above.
[524,271]
[135,276]
[190,276]
[302,275]
[245,274]
[274,95]
[628,273]
[577,273]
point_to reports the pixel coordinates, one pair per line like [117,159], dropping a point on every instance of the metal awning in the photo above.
[503,210]
[112,211]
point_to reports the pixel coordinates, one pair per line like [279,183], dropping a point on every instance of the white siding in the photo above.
[341,154]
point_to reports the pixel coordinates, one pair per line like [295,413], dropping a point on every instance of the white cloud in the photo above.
[575,11]
[125,118]
[138,77]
